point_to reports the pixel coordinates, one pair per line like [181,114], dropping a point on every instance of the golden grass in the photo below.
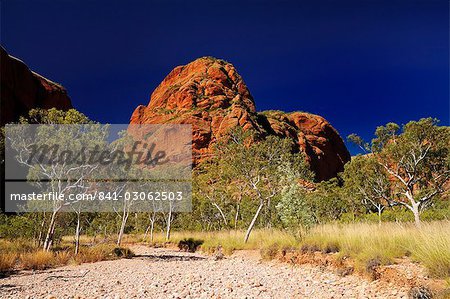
[233,240]
[62,258]
[363,242]
[7,261]
[16,246]
[22,254]
[95,253]
[429,245]
[37,260]
[432,249]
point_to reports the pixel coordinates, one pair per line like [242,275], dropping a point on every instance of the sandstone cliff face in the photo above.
[209,94]
[22,90]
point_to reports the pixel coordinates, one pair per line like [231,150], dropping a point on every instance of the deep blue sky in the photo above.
[359,64]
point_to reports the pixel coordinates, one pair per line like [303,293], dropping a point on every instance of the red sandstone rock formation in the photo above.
[209,94]
[23,89]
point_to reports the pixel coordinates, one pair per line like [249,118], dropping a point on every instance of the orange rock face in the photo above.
[209,94]
[22,90]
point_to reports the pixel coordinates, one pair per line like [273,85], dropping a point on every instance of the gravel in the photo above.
[168,273]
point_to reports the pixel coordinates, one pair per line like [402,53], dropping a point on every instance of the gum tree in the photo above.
[417,161]
[365,179]
[63,142]
[258,165]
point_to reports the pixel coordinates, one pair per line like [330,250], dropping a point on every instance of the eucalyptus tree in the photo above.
[260,166]
[53,155]
[416,160]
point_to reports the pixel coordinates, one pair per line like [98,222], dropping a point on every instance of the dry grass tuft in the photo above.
[37,260]
[62,258]
[95,253]
[363,242]
[7,261]
[233,240]
[429,245]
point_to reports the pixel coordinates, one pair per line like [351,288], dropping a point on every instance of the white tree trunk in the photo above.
[50,232]
[414,207]
[380,209]
[169,223]
[415,210]
[252,224]
[221,213]
[77,234]
[236,216]
[41,231]
[146,233]
[122,227]
[152,228]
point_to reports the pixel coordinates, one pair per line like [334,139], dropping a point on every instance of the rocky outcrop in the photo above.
[209,94]
[23,89]
[325,151]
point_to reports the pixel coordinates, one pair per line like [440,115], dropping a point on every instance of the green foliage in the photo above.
[326,203]
[17,226]
[366,184]
[353,138]
[293,209]
[408,167]
[245,173]
[55,116]
[383,135]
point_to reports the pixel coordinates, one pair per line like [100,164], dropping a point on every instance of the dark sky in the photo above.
[359,64]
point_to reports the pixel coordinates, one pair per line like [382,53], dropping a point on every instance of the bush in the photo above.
[62,258]
[190,244]
[101,253]
[270,252]
[7,261]
[94,254]
[372,266]
[123,252]
[37,260]
[331,248]
[309,248]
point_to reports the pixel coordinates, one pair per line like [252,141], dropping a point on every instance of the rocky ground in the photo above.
[168,273]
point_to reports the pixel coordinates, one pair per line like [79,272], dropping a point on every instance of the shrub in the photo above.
[101,253]
[62,258]
[94,254]
[270,252]
[331,248]
[309,248]
[372,266]
[37,260]
[190,244]
[7,261]
[123,252]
